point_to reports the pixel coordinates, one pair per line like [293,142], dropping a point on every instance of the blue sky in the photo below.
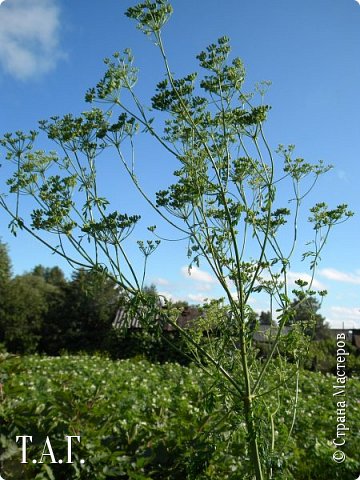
[51,52]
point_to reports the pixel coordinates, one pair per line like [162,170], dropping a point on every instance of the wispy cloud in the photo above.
[161,281]
[169,296]
[29,37]
[201,281]
[185,297]
[197,297]
[198,275]
[347,316]
[342,175]
[332,274]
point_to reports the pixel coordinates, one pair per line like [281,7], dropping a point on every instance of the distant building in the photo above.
[351,335]
[263,333]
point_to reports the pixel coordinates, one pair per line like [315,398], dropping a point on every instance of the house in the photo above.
[351,335]
[263,334]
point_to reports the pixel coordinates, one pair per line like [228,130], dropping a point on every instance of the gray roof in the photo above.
[347,331]
[264,333]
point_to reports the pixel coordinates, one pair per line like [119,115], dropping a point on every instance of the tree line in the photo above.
[42,311]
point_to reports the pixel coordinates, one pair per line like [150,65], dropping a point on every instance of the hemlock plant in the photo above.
[224,201]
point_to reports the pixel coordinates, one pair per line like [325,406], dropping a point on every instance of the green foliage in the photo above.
[127,344]
[5,265]
[323,357]
[5,279]
[53,275]
[265,318]
[151,16]
[159,422]
[90,304]
[29,308]
[43,312]
[26,309]
[305,313]
[223,200]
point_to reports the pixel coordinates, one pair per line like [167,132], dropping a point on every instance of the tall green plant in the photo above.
[224,201]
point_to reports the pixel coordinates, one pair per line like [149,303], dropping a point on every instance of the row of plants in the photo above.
[139,420]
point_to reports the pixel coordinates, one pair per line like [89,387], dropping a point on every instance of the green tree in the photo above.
[5,279]
[306,313]
[26,310]
[51,340]
[29,304]
[5,264]
[265,318]
[223,200]
[53,275]
[89,308]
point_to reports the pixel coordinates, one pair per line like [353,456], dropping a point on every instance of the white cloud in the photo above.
[203,287]
[195,291]
[168,295]
[198,275]
[332,274]
[29,37]
[190,297]
[342,175]
[293,276]
[353,312]
[202,282]
[197,298]
[161,281]
[347,316]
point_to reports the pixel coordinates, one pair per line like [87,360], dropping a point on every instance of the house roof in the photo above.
[264,333]
[349,333]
